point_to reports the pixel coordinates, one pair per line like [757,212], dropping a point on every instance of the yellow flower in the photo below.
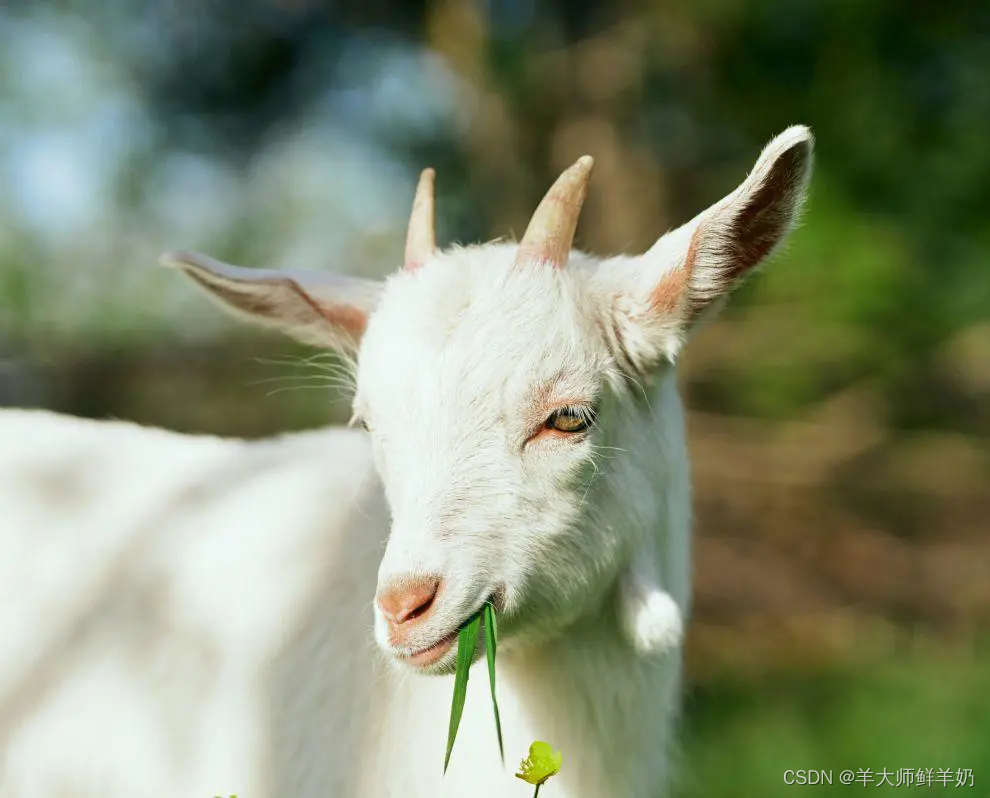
[540,765]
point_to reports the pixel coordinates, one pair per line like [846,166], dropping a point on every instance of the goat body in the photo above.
[190,615]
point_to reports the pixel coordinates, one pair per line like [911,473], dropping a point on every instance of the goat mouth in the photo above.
[435,652]
[431,655]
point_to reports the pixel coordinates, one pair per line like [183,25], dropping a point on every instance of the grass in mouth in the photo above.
[467,641]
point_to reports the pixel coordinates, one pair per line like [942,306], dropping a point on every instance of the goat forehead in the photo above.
[469,329]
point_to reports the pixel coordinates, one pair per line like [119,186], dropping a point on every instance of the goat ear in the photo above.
[661,295]
[317,308]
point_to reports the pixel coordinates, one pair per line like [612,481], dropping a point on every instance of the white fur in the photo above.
[193,616]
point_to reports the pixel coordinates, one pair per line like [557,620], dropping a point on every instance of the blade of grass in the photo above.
[491,642]
[467,641]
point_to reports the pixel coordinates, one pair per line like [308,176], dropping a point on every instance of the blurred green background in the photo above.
[840,409]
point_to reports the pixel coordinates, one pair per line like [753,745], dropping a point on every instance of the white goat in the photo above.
[192,616]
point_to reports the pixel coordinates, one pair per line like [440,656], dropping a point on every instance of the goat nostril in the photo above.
[416,612]
[408,600]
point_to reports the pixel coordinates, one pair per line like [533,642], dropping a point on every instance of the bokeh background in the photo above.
[839,410]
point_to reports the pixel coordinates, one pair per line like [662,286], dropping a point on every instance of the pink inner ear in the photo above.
[346,317]
[350,319]
[673,287]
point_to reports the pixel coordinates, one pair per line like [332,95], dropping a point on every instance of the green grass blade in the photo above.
[491,642]
[467,641]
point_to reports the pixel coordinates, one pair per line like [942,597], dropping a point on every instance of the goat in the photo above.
[191,616]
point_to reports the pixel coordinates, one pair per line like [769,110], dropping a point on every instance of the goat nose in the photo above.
[408,600]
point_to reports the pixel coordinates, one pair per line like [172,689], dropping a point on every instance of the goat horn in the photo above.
[550,233]
[421,239]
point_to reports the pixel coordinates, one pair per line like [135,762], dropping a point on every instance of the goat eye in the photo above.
[569,419]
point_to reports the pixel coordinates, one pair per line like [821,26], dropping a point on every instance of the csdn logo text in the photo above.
[807,777]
